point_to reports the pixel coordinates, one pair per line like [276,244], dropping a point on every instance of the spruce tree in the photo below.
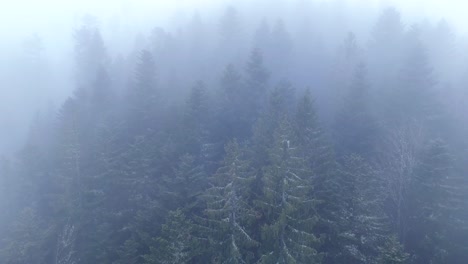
[355,127]
[392,252]
[229,215]
[429,194]
[255,89]
[288,209]
[143,97]
[176,244]
[232,116]
[365,225]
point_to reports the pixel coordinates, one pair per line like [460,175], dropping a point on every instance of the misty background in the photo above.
[37,36]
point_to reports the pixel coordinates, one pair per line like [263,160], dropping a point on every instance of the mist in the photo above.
[250,131]
[121,21]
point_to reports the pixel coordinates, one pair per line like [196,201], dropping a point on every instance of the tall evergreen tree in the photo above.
[256,84]
[229,214]
[288,209]
[392,252]
[232,116]
[90,52]
[365,225]
[428,223]
[143,96]
[356,129]
[176,243]
[413,100]
[280,104]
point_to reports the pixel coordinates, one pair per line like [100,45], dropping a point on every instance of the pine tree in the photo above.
[6,190]
[90,52]
[280,53]
[280,104]
[232,116]
[343,72]
[386,57]
[314,148]
[228,213]
[185,184]
[196,120]
[256,85]
[27,240]
[310,136]
[176,243]
[392,252]
[287,207]
[143,97]
[356,129]
[101,94]
[413,99]
[455,216]
[385,46]
[427,230]
[365,225]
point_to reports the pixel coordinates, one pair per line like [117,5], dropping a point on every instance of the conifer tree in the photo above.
[413,99]
[229,214]
[355,126]
[142,96]
[287,207]
[280,104]
[314,148]
[185,184]
[196,120]
[392,252]
[90,52]
[429,194]
[232,116]
[365,224]
[256,85]
[176,243]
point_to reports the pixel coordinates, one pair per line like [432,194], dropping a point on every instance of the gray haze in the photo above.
[235,131]
[37,37]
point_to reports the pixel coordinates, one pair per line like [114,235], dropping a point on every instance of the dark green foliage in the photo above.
[311,140]
[185,184]
[392,252]
[313,147]
[26,241]
[229,215]
[176,243]
[364,226]
[280,102]
[287,208]
[430,194]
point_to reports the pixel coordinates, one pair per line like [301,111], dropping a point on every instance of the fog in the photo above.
[119,21]
[248,131]
[54,21]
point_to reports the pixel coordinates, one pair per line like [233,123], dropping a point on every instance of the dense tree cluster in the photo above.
[367,167]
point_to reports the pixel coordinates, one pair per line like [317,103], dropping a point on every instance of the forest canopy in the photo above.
[304,135]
